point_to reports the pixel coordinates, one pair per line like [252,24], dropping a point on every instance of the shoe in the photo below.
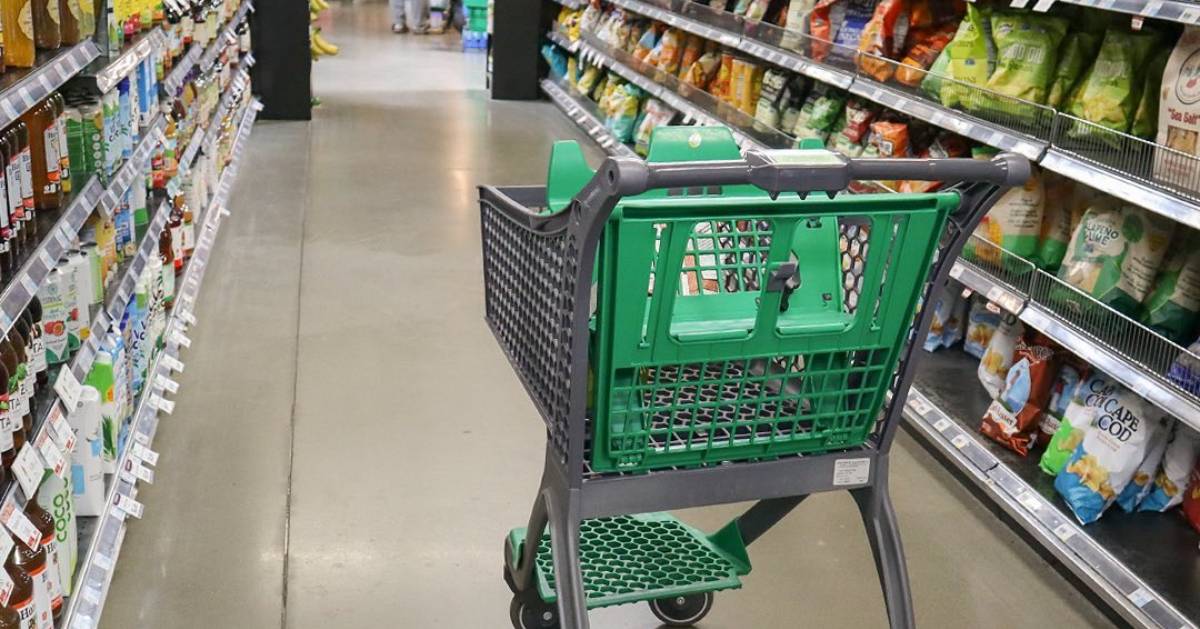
[399,29]
[421,30]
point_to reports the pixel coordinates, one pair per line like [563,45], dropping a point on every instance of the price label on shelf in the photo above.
[941,425]
[51,455]
[28,469]
[919,406]
[1029,500]
[172,363]
[26,97]
[28,284]
[10,112]
[133,471]
[128,506]
[161,404]
[45,82]
[144,453]
[18,524]
[1140,597]
[960,441]
[91,595]
[1064,531]
[102,561]
[181,339]
[60,430]
[956,270]
[166,384]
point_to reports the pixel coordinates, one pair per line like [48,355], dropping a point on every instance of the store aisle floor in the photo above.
[350,446]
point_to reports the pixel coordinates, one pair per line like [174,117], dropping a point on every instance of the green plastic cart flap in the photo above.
[568,174]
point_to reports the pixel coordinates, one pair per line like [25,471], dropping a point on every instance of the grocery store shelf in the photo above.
[202,136]
[1135,563]
[183,66]
[562,41]
[112,69]
[100,550]
[150,138]
[22,88]
[1174,10]
[25,282]
[583,113]
[227,35]
[203,55]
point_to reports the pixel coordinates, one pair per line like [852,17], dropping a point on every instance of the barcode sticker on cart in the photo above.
[1029,500]
[851,472]
[960,441]
[941,425]
[1064,531]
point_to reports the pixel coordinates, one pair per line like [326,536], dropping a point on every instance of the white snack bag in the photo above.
[993,368]
[1177,463]
[1179,113]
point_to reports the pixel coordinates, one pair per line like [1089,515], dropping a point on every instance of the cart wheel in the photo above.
[682,611]
[537,616]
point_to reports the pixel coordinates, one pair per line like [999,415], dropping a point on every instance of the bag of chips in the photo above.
[1014,223]
[1108,94]
[795,95]
[1115,253]
[646,44]
[1173,307]
[771,97]
[623,107]
[932,83]
[702,72]
[981,326]
[1185,371]
[1058,221]
[1012,419]
[1026,55]
[1191,499]
[934,13]
[1114,444]
[1143,478]
[949,314]
[1145,118]
[820,112]
[721,86]
[692,50]
[1077,51]
[971,56]
[882,39]
[1081,409]
[1178,462]
[1072,373]
[996,361]
[1179,113]
[655,114]
[745,85]
[924,47]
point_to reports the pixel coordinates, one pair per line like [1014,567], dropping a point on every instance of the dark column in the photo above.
[282,76]
[518,26]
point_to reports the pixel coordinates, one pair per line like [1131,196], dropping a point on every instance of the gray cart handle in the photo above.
[804,171]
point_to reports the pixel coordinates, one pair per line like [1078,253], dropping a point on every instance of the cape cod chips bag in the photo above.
[1026,54]
[1143,478]
[1179,112]
[1089,397]
[970,58]
[1110,92]
[996,361]
[1076,53]
[1177,464]
[1012,419]
[1114,445]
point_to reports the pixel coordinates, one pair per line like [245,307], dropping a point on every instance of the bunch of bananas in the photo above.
[317,45]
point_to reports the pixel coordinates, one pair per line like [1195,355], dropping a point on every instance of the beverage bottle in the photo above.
[46,33]
[19,401]
[33,561]
[16,205]
[24,328]
[6,229]
[43,148]
[38,359]
[12,365]
[21,598]
[166,252]
[17,19]
[45,525]
[9,618]
[68,22]
[175,225]
[9,427]
[28,225]
[64,153]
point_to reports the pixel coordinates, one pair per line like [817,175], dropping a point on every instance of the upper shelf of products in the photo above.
[1088,143]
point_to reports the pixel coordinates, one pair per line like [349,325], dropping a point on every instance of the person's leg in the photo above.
[418,14]
[398,25]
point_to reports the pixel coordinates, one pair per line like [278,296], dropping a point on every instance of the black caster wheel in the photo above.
[508,561]
[682,611]
[532,616]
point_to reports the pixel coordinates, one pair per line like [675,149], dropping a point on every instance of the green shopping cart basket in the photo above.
[691,336]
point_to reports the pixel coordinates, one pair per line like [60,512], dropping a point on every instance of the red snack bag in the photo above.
[820,26]
[1191,498]
[946,145]
[1013,418]
[883,36]
[924,47]
[926,13]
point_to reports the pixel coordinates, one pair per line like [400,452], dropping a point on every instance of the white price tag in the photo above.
[172,363]
[162,404]
[18,524]
[145,454]
[1064,531]
[919,406]
[167,384]
[1140,597]
[180,339]
[1151,9]
[134,471]
[51,455]
[188,317]
[28,284]
[129,506]
[63,239]
[1190,16]
[10,112]
[46,84]
[956,271]
[26,97]
[960,441]
[60,430]
[941,425]
[1029,500]
[102,561]
[90,594]
[28,469]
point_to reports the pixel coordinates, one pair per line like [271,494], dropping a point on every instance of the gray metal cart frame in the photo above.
[547,342]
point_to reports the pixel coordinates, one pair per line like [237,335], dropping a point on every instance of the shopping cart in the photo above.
[691,337]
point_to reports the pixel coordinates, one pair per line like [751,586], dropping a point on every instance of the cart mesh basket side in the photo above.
[732,329]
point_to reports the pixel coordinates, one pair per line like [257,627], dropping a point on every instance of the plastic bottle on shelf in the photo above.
[28,225]
[16,205]
[24,328]
[6,228]
[166,253]
[56,498]
[37,360]
[46,33]
[21,598]
[87,466]
[100,377]
[9,618]
[8,427]
[20,394]
[17,19]
[64,153]
[34,562]
[45,525]
[43,147]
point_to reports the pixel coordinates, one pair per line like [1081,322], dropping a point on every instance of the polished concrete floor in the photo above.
[350,446]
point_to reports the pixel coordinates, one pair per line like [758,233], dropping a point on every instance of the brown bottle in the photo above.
[24,328]
[175,226]
[9,618]
[45,525]
[68,22]
[20,400]
[8,356]
[37,360]
[17,16]
[16,207]
[33,562]
[21,599]
[46,32]
[28,225]
[9,426]
[64,154]
[6,228]
[43,147]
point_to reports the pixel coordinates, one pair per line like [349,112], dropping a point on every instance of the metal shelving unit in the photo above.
[560,40]
[583,112]
[1174,10]
[22,88]
[113,69]
[100,546]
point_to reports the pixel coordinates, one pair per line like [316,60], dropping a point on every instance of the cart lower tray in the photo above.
[633,558]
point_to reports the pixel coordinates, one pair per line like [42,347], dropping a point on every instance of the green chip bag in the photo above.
[1174,305]
[1058,221]
[1109,94]
[1115,253]
[1026,54]
[1014,222]
[971,55]
[932,83]
[1145,119]
[1078,50]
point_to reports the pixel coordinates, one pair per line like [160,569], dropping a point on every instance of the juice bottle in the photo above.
[64,152]
[18,399]
[9,618]
[21,598]
[33,562]
[45,525]
[188,231]
[6,229]
[24,329]
[16,413]
[28,226]
[16,207]
[17,19]
[166,252]
[175,225]
[8,449]
[101,378]
[68,22]
[43,147]
[37,360]
[46,34]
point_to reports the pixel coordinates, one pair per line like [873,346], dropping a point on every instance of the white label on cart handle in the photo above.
[851,472]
